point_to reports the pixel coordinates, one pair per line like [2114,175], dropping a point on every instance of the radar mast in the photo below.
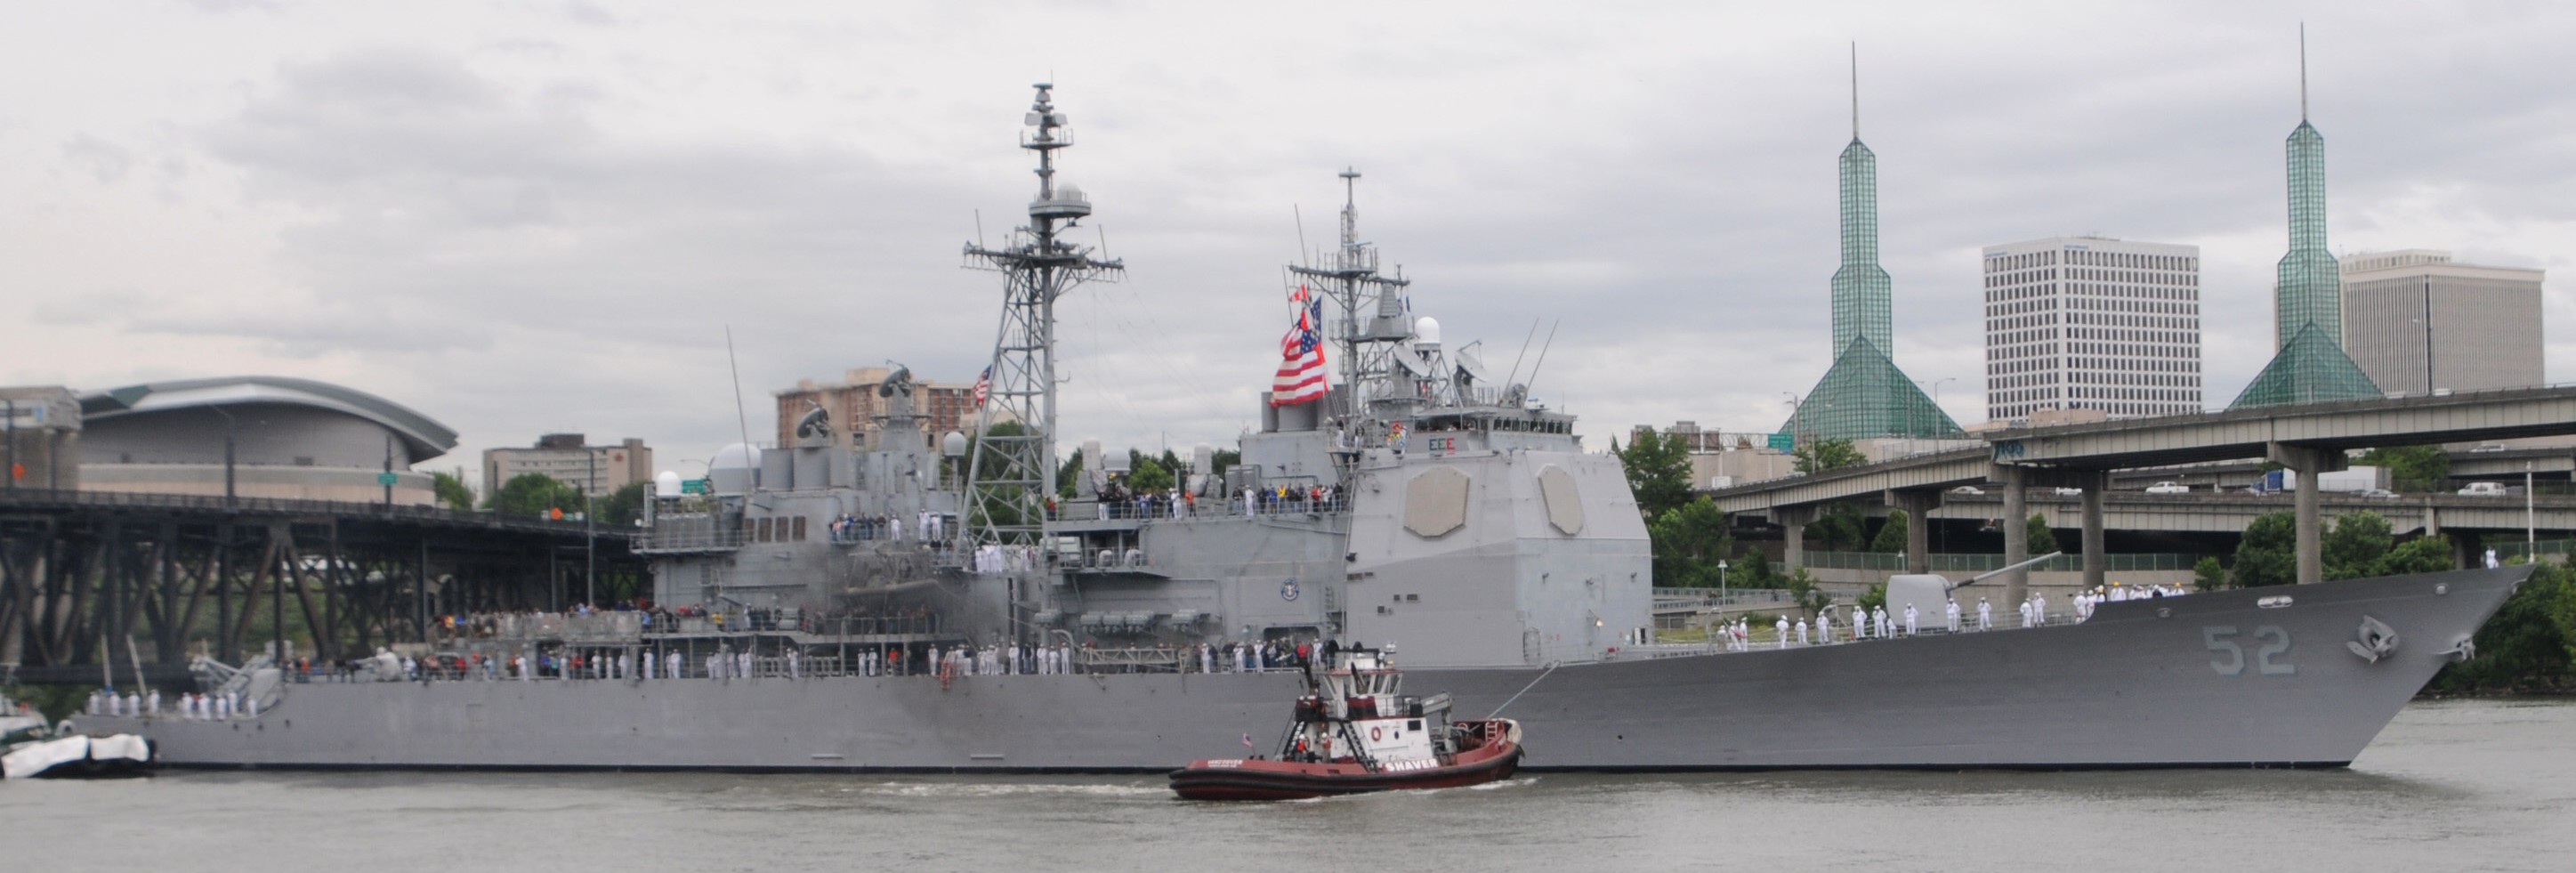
[1011,472]
[1373,326]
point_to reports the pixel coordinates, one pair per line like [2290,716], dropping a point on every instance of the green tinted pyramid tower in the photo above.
[2309,364]
[1864,395]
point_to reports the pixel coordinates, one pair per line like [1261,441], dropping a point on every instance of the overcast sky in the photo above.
[522,218]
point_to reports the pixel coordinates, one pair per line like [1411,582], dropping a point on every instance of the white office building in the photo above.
[2418,322]
[2092,323]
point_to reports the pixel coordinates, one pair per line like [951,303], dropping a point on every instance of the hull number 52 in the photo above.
[2274,641]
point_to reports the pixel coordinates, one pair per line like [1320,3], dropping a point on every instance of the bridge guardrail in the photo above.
[283,506]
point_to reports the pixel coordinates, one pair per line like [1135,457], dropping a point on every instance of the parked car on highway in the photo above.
[2378,493]
[2483,489]
[2168,488]
[1970,490]
[2070,492]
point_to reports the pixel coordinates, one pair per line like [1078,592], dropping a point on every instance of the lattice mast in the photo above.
[1010,475]
[1373,323]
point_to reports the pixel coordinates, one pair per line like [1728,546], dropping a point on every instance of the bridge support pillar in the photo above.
[2016,522]
[2308,462]
[1918,506]
[2097,559]
[1793,534]
[2467,551]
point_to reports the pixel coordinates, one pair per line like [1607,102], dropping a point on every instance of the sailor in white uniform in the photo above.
[1782,632]
[1886,628]
[1950,617]
[1909,619]
[1985,615]
[2038,609]
[1860,622]
[1825,625]
[2025,613]
[1802,632]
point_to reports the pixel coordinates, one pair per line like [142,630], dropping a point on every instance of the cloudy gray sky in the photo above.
[531,217]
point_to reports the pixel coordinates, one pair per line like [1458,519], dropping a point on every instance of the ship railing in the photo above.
[1135,660]
[1296,504]
[596,627]
[1763,636]
[686,533]
[1979,563]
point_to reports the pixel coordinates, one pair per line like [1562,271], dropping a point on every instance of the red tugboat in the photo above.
[1355,732]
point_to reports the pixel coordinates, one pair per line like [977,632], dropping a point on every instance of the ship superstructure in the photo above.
[1418,501]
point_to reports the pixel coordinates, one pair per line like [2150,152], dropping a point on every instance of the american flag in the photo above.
[1301,354]
[983,387]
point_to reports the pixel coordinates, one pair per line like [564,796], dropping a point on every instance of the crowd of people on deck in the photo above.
[1868,623]
[1277,499]
[925,526]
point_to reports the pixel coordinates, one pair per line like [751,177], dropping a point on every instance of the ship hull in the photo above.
[2218,679]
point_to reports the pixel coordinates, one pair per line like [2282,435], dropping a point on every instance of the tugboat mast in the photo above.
[1368,346]
[1011,473]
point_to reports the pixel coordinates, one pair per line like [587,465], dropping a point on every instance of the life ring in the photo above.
[1374,734]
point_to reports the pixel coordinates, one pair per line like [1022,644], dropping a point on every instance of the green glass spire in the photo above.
[1861,287]
[2308,286]
[2309,363]
[1864,395]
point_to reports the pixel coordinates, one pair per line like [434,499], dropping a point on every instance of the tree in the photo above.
[1148,475]
[2420,555]
[1687,543]
[1753,570]
[1803,592]
[2208,575]
[1225,460]
[1066,474]
[1891,534]
[452,491]
[2268,552]
[1659,472]
[1873,598]
[624,506]
[2412,468]
[2042,538]
[1838,528]
[534,494]
[2355,546]
[2530,644]
[1823,455]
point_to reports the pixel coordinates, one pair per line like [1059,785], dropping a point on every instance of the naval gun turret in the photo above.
[1929,593]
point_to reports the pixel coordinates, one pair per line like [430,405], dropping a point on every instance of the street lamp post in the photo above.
[9,469]
[1721,583]
[590,532]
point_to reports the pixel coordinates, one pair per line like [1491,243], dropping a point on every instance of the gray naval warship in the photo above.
[920,601]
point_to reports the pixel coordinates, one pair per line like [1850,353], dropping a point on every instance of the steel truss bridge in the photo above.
[100,585]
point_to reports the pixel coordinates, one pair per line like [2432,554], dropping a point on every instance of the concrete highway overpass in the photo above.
[2309,438]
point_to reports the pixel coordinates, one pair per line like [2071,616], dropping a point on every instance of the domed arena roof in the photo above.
[422,437]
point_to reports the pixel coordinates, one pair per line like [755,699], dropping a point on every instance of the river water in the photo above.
[2469,785]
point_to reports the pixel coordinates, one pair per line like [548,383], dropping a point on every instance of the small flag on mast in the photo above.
[983,387]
